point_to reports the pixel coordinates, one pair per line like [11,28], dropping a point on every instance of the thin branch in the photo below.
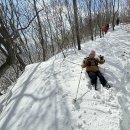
[27,25]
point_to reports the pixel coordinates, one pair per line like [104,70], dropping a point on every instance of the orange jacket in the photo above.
[91,64]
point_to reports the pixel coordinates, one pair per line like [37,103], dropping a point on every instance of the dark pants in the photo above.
[93,76]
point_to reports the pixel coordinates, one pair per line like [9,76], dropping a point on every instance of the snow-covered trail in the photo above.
[42,97]
[117,69]
[35,103]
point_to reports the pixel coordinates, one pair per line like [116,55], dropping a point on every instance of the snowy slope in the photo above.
[42,98]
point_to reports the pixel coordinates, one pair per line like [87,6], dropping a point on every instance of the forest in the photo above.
[32,31]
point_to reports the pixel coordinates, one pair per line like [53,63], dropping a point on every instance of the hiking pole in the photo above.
[78,87]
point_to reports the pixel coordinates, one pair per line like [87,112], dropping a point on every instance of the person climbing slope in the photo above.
[92,69]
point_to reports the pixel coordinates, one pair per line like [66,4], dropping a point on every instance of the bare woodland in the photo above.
[34,30]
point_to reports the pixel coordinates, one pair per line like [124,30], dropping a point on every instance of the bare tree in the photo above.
[76,23]
[40,31]
[115,4]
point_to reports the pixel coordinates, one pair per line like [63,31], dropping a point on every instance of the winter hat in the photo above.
[92,54]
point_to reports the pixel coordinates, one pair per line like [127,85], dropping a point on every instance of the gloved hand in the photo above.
[101,57]
[83,65]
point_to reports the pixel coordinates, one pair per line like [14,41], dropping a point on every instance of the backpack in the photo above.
[90,61]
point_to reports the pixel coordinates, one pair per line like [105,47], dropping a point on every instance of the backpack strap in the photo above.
[91,62]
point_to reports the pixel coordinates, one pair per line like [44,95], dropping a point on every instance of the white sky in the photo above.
[41,99]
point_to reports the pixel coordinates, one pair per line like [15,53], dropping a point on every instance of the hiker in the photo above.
[117,21]
[92,69]
[105,28]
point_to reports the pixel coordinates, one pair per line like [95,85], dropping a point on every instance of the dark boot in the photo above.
[107,86]
[95,87]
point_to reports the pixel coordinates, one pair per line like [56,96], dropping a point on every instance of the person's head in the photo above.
[107,25]
[92,54]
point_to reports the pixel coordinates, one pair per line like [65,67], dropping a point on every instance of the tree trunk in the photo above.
[40,30]
[76,23]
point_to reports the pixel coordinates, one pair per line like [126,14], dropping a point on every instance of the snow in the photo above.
[43,97]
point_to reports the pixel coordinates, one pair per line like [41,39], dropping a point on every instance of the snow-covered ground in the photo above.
[42,98]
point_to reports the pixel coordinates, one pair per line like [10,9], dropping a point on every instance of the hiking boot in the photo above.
[107,86]
[95,86]
[96,89]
